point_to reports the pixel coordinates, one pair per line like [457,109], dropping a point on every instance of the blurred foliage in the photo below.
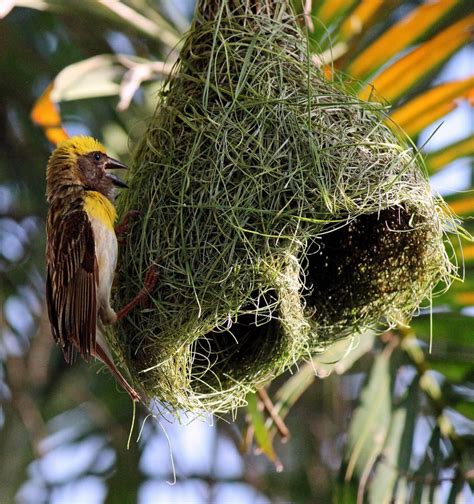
[393,422]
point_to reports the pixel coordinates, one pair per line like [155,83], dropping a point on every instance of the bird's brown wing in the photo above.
[71,284]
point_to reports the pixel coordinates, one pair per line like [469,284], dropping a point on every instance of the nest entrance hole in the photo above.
[366,263]
[252,342]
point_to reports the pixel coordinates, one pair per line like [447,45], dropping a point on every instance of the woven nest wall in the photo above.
[285,215]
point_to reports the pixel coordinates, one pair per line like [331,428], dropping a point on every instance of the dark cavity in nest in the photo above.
[362,264]
[358,267]
[254,338]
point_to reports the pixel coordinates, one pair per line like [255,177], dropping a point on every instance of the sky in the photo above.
[454,126]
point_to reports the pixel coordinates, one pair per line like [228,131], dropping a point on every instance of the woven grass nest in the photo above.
[284,212]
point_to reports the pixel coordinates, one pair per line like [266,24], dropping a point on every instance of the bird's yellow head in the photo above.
[80,162]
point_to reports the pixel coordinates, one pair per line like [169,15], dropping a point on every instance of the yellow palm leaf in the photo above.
[332,9]
[429,106]
[464,206]
[359,18]
[465,298]
[437,160]
[46,114]
[401,35]
[393,82]
[468,253]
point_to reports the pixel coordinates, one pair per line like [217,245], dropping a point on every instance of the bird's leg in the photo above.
[101,354]
[122,227]
[150,280]
[149,283]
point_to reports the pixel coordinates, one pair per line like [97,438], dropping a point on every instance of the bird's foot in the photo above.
[149,283]
[122,228]
[100,354]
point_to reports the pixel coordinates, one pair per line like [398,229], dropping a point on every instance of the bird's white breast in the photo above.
[106,254]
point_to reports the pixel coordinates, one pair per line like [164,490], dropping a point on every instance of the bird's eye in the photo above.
[97,156]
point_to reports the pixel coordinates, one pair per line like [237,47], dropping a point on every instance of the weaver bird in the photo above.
[82,250]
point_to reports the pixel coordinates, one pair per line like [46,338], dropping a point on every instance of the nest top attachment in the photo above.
[285,213]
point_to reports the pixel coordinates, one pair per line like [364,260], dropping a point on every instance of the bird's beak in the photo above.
[113,164]
[117,181]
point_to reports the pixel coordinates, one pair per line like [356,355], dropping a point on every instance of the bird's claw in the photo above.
[123,227]
[149,283]
[151,277]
